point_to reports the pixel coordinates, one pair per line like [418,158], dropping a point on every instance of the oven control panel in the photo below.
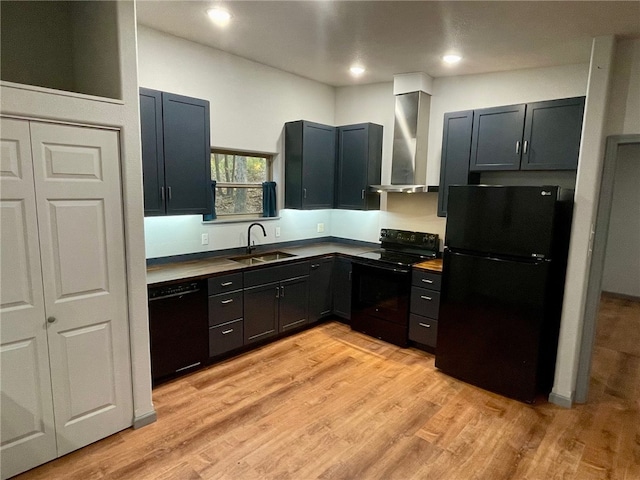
[428,241]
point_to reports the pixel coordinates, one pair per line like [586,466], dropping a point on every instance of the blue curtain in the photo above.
[269,199]
[212,215]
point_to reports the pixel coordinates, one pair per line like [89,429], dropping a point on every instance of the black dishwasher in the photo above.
[178,327]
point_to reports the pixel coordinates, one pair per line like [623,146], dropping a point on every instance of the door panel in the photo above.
[77,179]
[261,312]
[27,430]
[293,303]
[497,138]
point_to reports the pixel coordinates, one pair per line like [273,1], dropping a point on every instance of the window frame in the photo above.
[269,157]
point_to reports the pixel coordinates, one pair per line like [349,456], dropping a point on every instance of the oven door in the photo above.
[380,301]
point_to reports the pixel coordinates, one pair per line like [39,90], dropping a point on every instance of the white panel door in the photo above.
[26,408]
[79,205]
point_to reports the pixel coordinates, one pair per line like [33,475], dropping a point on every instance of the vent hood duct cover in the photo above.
[409,157]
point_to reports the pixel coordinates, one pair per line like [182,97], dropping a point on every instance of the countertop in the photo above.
[215,265]
[434,265]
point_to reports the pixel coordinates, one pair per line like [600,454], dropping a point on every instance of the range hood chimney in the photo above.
[410,134]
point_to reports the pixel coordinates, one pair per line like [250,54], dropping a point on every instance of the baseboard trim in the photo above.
[561,400]
[144,420]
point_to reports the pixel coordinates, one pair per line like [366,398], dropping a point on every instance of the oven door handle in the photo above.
[383,267]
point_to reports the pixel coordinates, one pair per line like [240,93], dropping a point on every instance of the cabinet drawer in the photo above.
[226,337]
[423,330]
[225,307]
[225,283]
[425,302]
[426,280]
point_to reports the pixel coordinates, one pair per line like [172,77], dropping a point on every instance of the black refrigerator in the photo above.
[502,286]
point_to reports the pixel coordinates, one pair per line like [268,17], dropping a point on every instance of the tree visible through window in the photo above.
[239,178]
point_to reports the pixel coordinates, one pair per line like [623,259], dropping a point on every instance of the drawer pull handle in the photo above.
[424,297]
[226,284]
[426,280]
[226,332]
[425,325]
[224,302]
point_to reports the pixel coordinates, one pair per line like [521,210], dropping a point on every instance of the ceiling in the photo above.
[321,39]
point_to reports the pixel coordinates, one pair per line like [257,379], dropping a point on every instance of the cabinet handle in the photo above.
[314,266]
[349,275]
[226,284]
[363,194]
[525,147]
[518,146]
[277,292]
[224,302]
[51,319]
[425,325]
[426,280]
[282,294]
[162,193]
[304,193]
[169,190]
[424,297]
[226,332]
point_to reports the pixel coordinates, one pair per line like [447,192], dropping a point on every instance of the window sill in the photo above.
[225,220]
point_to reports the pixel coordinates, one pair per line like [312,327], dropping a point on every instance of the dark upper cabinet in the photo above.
[497,138]
[456,148]
[359,165]
[310,156]
[175,153]
[536,136]
[552,132]
[320,299]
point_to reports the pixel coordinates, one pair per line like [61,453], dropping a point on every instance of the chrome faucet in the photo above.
[249,247]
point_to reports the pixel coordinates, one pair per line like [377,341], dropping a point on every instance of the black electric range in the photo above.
[382,283]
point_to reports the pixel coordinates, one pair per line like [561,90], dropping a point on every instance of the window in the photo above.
[239,178]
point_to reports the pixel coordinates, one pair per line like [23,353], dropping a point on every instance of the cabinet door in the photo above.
[187,154]
[456,150]
[28,433]
[342,288]
[80,226]
[310,158]
[261,312]
[552,133]
[497,138]
[318,165]
[320,299]
[352,167]
[152,151]
[294,303]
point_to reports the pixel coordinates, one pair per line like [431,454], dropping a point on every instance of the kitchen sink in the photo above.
[259,258]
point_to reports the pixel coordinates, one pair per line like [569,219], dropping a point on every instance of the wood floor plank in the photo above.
[329,403]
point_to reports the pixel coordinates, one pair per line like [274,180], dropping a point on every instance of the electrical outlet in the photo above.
[277,232]
[205,239]
[320,227]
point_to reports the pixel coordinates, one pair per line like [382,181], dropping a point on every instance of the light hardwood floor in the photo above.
[329,403]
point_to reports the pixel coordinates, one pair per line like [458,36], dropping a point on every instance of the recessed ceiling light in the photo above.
[219,16]
[356,70]
[451,58]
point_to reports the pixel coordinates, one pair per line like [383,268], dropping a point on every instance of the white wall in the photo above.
[622,257]
[624,105]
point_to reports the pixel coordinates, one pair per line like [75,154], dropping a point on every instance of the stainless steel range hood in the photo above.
[409,156]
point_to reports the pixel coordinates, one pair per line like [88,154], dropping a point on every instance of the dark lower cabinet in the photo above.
[342,288]
[261,312]
[225,313]
[293,308]
[320,291]
[277,306]
[424,308]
